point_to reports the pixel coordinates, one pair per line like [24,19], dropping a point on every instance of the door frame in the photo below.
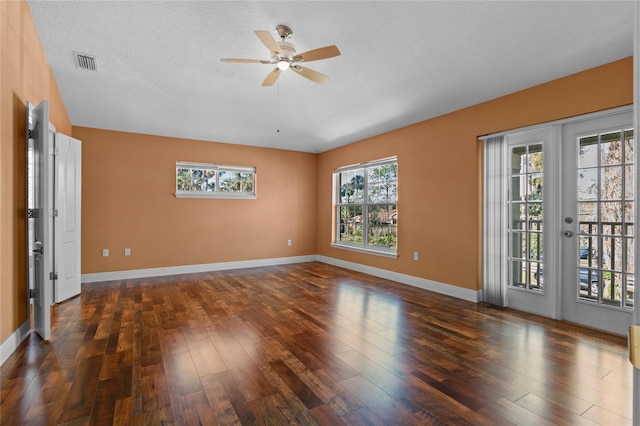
[41,132]
[554,272]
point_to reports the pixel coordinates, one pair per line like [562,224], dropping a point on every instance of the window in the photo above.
[366,207]
[199,180]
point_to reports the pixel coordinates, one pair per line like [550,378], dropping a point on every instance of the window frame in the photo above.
[216,193]
[364,205]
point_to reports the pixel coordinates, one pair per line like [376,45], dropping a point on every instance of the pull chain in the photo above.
[278,112]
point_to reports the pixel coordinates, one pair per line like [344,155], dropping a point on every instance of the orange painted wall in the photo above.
[128,186]
[25,75]
[440,176]
[128,181]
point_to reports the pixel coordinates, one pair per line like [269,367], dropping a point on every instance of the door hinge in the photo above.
[33,133]
[53,212]
[53,276]
[53,151]
[32,293]
[32,213]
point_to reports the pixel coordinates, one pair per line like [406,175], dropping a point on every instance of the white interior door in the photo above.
[42,237]
[597,222]
[68,171]
[531,206]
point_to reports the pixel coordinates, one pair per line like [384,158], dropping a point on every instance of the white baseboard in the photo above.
[11,344]
[423,283]
[190,269]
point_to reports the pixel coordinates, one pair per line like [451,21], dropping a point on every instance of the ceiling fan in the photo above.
[283,56]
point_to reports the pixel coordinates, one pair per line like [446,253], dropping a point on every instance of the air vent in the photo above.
[85,62]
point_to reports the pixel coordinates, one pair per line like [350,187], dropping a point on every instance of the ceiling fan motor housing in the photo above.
[288,49]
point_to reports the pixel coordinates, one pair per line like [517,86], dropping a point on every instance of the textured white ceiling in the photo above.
[159,69]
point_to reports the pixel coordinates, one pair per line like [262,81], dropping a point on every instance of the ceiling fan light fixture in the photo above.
[283,65]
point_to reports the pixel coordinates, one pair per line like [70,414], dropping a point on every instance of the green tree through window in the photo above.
[367,211]
[214,181]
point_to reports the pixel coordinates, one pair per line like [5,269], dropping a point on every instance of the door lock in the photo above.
[568,219]
[568,234]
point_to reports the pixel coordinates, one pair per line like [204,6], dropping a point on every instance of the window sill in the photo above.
[383,253]
[218,195]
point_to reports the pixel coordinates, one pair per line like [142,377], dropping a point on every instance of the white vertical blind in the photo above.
[494,218]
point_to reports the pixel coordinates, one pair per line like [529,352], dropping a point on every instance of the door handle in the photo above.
[568,234]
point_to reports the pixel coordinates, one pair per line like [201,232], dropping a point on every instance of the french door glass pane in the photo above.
[628,147]
[611,183]
[588,184]
[587,212]
[628,183]
[610,149]
[534,163]
[588,154]
[629,260]
[519,245]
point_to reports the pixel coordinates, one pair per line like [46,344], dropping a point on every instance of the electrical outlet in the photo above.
[289,242]
[415,256]
[127,252]
[105,252]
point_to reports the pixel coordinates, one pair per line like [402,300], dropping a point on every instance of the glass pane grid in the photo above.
[525,203]
[605,209]
[367,205]
[209,179]
[192,179]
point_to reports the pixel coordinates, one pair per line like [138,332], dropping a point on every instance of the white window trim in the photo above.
[380,251]
[393,254]
[216,194]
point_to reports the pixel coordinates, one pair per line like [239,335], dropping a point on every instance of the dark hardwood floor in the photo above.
[307,344]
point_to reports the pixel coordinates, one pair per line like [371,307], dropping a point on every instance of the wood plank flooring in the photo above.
[307,344]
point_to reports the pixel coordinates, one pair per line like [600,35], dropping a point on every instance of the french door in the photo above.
[531,252]
[598,222]
[569,208]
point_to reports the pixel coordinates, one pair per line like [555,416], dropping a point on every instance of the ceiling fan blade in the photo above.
[315,54]
[312,75]
[245,61]
[267,39]
[272,77]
